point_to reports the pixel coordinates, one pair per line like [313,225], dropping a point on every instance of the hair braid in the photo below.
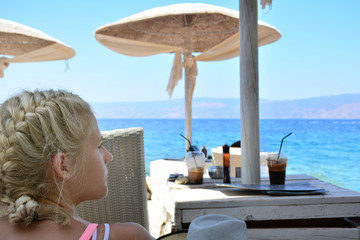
[34,126]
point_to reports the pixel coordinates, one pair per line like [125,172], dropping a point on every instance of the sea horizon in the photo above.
[313,148]
[345,106]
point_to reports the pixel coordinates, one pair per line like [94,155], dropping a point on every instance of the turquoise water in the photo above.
[326,149]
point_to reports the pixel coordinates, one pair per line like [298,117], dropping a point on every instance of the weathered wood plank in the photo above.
[304,233]
[278,212]
[217,198]
[178,220]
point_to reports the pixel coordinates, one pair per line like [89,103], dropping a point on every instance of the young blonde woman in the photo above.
[51,159]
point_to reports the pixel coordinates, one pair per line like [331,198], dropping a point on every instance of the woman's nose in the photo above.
[108,156]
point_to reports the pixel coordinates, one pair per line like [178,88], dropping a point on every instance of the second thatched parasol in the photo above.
[182,29]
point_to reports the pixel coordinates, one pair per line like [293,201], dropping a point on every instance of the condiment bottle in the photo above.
[204,151]
[226,164]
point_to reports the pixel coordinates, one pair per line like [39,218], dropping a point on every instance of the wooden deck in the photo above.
[268,217]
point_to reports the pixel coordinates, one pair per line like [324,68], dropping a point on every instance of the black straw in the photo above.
[282,143]
[191,147]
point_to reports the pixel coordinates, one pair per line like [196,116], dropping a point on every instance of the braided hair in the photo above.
[34,127]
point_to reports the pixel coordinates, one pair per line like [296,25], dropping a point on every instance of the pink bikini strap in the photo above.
[89,231]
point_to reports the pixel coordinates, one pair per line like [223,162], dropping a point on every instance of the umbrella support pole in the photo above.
[249,92]
[188,88]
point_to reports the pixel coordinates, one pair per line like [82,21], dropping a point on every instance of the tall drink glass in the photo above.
[277,168]
[195,161]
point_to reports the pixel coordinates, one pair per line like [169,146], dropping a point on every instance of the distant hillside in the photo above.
[334,107]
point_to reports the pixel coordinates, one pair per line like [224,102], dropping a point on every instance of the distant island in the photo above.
[345,106]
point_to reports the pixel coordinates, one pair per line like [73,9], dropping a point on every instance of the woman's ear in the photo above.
[60,166]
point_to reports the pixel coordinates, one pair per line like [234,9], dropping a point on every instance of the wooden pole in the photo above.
[188,90]
[249,92]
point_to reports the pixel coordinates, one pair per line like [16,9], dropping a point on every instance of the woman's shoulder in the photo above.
[44,229]
[129,231]
[4,227]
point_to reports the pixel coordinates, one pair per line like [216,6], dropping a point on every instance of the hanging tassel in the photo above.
[265,2]
[190,62]
[176,73]
[3,65]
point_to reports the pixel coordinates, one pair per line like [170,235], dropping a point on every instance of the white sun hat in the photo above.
[217,226]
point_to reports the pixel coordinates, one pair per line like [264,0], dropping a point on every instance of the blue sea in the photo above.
[326,149]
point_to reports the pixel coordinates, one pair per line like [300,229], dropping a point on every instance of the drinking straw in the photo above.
[190,148]
[282,143]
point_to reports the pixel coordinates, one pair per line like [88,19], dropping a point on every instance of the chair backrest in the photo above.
[127,196]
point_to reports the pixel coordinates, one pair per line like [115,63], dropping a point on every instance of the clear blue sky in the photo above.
[318,54]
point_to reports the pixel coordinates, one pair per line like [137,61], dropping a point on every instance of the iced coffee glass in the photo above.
[195,161]
[277,168]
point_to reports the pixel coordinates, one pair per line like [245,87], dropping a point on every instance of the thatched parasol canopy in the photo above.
[183,29]
[26,44]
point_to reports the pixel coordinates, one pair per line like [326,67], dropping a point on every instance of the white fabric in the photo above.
[230,47]
[217,226]
[190,62]
[106,234]
[265,2]
[50,53]
[176,73]
[107,231]
[133,48]
[94,236]
[3,65]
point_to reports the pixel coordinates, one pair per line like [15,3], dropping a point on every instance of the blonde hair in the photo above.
[34,127]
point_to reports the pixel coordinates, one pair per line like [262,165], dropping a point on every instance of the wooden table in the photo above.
[267,217]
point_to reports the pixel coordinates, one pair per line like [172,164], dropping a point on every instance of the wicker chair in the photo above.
[127,197]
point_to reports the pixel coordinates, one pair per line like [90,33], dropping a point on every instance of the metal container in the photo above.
[216,172]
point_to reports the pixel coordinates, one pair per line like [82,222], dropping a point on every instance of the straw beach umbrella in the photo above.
[182,29]
[26,44]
